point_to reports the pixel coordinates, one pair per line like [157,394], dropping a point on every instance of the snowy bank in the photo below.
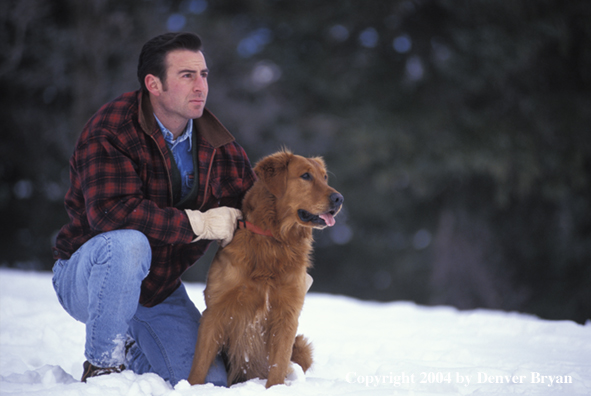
[361,348]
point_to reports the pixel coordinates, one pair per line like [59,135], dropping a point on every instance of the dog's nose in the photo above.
[336,199]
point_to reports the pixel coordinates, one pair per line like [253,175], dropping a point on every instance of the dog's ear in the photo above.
[272,171]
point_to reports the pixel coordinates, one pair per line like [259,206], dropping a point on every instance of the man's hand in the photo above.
[216,224]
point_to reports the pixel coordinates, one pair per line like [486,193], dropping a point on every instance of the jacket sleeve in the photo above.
[238,179]
[114,198]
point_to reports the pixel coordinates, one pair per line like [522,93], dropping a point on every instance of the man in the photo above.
[155,177]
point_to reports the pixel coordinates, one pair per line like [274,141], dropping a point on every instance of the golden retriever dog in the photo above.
[256,284]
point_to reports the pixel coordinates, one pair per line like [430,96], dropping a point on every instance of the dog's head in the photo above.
[300,186]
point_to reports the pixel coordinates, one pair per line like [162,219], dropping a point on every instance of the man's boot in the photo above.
[93,371]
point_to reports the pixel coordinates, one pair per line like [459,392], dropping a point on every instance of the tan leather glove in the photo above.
[217,224]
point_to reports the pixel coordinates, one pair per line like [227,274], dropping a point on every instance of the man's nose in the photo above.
[200,84]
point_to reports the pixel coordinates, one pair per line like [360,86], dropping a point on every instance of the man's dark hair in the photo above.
[153,56]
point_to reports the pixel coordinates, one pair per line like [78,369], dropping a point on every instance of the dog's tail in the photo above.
[302,352]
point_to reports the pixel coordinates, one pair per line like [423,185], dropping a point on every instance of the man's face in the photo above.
[184,92]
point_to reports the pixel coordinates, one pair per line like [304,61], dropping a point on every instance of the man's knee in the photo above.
[130,247]
[133,241]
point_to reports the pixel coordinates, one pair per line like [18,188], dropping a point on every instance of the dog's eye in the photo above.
[306,176]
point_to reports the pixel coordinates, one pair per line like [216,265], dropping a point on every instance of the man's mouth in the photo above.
[322,219]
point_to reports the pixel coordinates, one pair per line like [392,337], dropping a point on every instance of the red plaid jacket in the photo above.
[120,179]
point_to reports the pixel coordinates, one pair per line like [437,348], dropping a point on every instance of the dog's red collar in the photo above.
[243,224]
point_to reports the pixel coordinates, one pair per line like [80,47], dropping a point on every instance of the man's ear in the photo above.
[153,84]
[272,171]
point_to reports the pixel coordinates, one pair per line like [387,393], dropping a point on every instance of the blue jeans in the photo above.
[100,287]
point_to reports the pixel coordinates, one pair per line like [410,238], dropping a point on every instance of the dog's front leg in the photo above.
[281,340]
[207,347]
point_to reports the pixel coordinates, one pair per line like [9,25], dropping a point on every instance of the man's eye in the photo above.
[306,176]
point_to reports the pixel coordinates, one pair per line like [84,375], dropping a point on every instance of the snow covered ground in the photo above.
[361,348]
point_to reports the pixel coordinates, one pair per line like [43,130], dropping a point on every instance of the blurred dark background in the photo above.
[458,131]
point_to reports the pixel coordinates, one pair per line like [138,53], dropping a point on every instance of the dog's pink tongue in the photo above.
[328,219]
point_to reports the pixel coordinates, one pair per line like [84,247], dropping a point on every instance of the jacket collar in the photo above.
[208,126]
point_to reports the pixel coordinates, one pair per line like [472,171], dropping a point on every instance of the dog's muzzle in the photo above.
[326,218]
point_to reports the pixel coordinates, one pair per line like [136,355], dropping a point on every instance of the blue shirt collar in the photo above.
[169,137]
